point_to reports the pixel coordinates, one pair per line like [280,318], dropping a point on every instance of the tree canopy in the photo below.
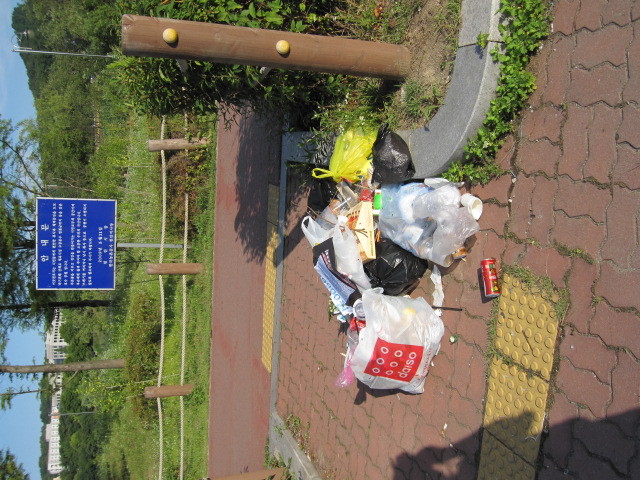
[21,306]
[10,469]
[17,185]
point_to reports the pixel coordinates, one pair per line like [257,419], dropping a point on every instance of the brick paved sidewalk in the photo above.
[568,210]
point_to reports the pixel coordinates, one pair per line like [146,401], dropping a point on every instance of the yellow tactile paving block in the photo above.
[515,408]
[518,381]
[269,303]
[527,326]
[498,462]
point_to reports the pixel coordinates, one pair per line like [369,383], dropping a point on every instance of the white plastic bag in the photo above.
[396,347]
[348,257]
[314,231]
[348,261]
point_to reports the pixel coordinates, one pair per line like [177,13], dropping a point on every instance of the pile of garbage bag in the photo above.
[374,233]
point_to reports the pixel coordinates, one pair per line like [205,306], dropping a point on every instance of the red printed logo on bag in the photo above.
[394,360]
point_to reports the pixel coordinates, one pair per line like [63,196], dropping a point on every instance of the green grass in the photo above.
[527,24]
[567,251]
[421,102]
[131,449]
[371,102]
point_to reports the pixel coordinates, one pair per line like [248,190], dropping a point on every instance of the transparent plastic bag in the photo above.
[397,345]
[398,199]
[398,223]
[347,377]
[426,220]
[432,201]
[455,225]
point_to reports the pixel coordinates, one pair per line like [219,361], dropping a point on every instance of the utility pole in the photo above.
[30,50]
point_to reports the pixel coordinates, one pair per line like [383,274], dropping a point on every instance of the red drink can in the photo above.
[490,277]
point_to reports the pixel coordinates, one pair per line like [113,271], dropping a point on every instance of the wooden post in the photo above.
[173,268]
[175,144]
[143,37]
[275,474]
[168,391]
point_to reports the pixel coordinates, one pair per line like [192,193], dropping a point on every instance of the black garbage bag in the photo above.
[391,157]
[394,269]
[322,191]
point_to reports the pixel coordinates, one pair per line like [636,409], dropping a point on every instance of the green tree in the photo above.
[64,131]
[77,26]
[81,26]
[18,182]
[19,157]
[10,469]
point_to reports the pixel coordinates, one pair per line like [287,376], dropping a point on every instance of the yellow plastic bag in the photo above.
[350,159]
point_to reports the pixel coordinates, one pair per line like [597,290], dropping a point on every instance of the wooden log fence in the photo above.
[164,391]
[176,144]
[173,268]
[183,39]
[271,474]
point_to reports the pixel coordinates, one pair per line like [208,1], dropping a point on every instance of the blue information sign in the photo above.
[75,244]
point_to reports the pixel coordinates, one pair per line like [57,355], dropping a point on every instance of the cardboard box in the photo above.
[361,223]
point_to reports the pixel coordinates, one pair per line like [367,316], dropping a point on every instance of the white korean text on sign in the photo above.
[75,244]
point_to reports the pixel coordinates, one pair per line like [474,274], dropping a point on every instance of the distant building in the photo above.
[54,346]
[54,343]
[54,463]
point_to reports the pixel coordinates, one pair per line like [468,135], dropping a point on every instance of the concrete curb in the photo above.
[441,142]
[475,78]
[282,443]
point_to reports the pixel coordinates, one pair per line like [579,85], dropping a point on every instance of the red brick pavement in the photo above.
[568,210]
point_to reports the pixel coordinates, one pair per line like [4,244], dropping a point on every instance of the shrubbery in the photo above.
[157,86]
[141,351]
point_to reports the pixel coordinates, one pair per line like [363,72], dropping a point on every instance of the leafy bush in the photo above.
[141,350]
[157,86]
[527,26]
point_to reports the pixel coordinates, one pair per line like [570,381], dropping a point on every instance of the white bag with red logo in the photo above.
[396,347]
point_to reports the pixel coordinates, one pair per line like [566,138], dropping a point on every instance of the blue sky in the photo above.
[20,426]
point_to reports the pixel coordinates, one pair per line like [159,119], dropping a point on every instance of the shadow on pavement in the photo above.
[258,165]
[575,449]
